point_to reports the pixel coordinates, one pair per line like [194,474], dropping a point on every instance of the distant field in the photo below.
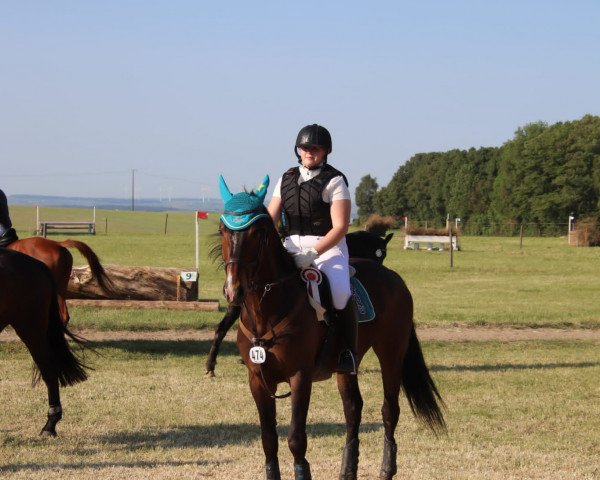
[493,282]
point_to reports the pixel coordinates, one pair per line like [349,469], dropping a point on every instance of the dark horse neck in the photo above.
[276,287]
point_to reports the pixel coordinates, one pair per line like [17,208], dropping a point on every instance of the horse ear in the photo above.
[388,237]
[261,190]
[224,189]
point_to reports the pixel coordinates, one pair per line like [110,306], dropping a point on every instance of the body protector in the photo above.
[303,210]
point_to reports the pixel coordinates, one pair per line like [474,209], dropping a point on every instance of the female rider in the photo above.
[312,201]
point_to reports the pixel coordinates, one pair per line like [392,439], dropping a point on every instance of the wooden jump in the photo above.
[44,226]
[413,242]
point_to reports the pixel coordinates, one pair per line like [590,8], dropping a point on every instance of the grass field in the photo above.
[527,410]
[516,410]
[493,281]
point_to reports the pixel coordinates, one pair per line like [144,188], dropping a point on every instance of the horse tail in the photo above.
[69,367]
[422,394]
[96,267]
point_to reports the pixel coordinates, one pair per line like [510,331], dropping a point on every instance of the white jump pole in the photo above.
[197,244]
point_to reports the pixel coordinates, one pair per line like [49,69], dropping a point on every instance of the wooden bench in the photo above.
[45,226]
[413,242]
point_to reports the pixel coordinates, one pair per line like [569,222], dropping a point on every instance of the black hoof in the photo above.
[48,433]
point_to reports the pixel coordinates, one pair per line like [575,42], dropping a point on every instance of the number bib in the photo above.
[258,355]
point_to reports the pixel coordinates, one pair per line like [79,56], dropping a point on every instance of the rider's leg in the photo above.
[334,263]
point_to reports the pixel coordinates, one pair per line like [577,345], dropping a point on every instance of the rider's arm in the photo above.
[274,209]
[340,218]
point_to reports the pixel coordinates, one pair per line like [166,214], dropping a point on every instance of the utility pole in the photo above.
[132,189]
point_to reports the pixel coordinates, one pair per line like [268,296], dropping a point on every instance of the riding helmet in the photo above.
[314,136]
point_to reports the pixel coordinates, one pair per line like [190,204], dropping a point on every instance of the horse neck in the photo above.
[276,283]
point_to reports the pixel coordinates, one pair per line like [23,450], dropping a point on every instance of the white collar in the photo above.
[307,174]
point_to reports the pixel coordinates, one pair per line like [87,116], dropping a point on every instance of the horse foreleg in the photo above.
[353,404]
[233,313]
[301,386]
[268,424]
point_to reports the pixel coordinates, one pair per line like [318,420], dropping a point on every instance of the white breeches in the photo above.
[333,262]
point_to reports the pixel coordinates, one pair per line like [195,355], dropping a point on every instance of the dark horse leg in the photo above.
[301,386]
[232,314]
[353,404]
[42,356]
[391,373]
[268,424]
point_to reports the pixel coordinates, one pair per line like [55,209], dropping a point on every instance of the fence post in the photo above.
[521,237]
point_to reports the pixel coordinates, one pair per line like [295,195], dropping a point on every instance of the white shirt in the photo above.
[336,189]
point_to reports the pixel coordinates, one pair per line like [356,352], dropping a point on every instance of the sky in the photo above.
[171,94]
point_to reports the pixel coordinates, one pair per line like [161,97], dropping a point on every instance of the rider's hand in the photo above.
[306,258]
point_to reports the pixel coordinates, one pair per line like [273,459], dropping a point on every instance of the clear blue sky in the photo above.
[183,91]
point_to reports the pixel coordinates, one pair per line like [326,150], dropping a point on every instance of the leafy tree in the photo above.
[363,195]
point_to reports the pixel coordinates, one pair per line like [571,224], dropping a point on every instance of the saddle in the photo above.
[319,294]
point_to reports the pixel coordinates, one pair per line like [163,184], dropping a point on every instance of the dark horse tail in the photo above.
[96,267]
[422,394]
[70,369]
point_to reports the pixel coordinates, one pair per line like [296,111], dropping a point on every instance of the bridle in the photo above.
[275,331]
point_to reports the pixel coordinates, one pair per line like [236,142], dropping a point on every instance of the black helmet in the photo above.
[314,136]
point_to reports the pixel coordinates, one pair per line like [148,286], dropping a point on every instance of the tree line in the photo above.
[539,177]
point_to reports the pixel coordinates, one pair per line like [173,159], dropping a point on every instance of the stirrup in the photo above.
[347,362]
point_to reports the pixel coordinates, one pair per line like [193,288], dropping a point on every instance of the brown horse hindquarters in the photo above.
[58,260]
[393,304]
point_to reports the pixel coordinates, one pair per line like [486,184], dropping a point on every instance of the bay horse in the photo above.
[28,303]
[361,244]
[60,263]
[279,338]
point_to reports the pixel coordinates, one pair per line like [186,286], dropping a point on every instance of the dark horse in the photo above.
[60,262]
[278,326]
[29,304]
[361,244]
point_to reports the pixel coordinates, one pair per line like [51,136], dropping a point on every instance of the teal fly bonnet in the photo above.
[243,209]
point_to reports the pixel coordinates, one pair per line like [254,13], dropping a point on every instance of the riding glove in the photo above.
[306,258]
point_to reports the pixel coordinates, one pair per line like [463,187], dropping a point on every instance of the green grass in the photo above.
[515,410]
[493,281]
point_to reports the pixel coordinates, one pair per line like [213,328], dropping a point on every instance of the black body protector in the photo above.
[303,210]
[7,233]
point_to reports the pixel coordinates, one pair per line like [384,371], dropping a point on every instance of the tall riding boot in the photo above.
[347,322]
[7,237]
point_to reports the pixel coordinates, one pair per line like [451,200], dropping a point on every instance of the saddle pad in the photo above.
[365,309]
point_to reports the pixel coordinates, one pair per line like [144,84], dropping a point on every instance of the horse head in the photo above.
[364,244]
[243,230]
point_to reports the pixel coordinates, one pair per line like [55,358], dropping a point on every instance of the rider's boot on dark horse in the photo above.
[347,322]
[7,237]
[8,234]
[343,324]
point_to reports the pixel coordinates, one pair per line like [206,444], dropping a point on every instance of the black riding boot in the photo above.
[347,323]
[8,237]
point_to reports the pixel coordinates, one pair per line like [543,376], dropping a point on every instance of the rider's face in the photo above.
[311,156]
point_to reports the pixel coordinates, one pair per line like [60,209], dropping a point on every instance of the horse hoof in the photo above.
[210,374]
[47,434]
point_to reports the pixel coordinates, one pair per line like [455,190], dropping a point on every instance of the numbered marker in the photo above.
[189,276]
[258,355]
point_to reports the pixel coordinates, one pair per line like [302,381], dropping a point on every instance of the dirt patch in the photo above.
[425,333]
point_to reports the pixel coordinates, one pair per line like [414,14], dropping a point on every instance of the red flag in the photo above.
[203,215]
